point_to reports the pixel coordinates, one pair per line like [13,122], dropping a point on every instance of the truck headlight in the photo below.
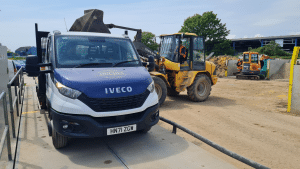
[66,91]
[151,87]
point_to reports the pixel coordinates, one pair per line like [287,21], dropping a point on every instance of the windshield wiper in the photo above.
[91,64]
[124,62]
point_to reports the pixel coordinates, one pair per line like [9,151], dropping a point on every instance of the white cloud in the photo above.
[268,22]
[258,35]
[245,36]
[294,33]
[231,36]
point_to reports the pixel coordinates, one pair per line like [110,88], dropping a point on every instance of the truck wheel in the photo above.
[58,140]
[161,89]
[200,89]
[172,92]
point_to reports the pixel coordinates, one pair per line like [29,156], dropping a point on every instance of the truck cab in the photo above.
[95,85]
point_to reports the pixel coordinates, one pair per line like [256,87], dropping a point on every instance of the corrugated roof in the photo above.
[266,38]
[186,33]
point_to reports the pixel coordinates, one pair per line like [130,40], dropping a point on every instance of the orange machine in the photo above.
[252,66]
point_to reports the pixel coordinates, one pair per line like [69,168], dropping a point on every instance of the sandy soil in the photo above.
[247,117]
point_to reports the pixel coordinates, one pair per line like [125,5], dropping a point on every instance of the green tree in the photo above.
[271,49]
[148,40]
[213,31]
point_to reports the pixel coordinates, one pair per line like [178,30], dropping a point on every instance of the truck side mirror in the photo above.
[32,67]
[151,63]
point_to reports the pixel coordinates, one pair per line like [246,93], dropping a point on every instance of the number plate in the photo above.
[122,129]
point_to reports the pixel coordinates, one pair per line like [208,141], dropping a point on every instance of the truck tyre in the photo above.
[161,89]
[172,92]
[59,141]
[200,89]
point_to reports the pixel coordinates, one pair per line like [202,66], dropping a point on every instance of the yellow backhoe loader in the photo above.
[183,71]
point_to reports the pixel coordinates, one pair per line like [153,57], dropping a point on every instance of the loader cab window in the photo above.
[184,49]
[254,58]
[246,57]
[198,49]
[168,46]
[84,51]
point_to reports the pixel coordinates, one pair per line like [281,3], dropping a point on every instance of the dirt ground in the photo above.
[247,117]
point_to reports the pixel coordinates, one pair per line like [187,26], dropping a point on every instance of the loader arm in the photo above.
[142,49]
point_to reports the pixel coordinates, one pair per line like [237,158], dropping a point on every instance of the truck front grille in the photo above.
[117,119]
[115,104]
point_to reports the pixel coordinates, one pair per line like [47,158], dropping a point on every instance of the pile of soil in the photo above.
[220,62]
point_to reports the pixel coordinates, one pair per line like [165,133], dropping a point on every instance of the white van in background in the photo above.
[12,70]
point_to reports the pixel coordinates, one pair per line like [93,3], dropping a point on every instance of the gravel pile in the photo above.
[220,62]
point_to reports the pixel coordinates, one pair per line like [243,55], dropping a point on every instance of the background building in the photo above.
[26,50]
[286,42]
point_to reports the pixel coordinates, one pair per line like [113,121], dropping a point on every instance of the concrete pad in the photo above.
[275,65]
[36,149]
[162,149]
[295,108]
[231,68]
[158,148]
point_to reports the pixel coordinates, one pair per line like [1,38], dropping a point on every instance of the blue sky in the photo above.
[243,18]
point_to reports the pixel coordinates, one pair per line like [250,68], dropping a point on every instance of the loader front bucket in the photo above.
[91,21]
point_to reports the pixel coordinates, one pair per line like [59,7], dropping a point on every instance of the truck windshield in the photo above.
[87,51]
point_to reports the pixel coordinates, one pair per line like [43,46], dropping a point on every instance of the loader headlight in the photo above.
[66,91]
[151,87]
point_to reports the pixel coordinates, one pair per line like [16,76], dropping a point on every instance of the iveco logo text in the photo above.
[118,90]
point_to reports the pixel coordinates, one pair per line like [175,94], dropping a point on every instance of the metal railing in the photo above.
[6,134]
[18,82]
[214,145]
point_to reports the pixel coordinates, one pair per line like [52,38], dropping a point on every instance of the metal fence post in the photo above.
[174,129]
[11,111]
[17,97]
[8,143]
[20,85]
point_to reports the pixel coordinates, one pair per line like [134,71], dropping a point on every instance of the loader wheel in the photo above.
[172,92]
[58,140]
[161,89]
[200,89]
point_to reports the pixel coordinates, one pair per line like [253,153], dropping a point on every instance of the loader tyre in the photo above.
[58,140]
[160,88]
[172,92]
[200,89]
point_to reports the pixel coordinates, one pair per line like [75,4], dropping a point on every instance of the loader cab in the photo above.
[187,49]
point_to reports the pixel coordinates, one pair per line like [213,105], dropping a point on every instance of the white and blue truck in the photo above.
[92,84]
